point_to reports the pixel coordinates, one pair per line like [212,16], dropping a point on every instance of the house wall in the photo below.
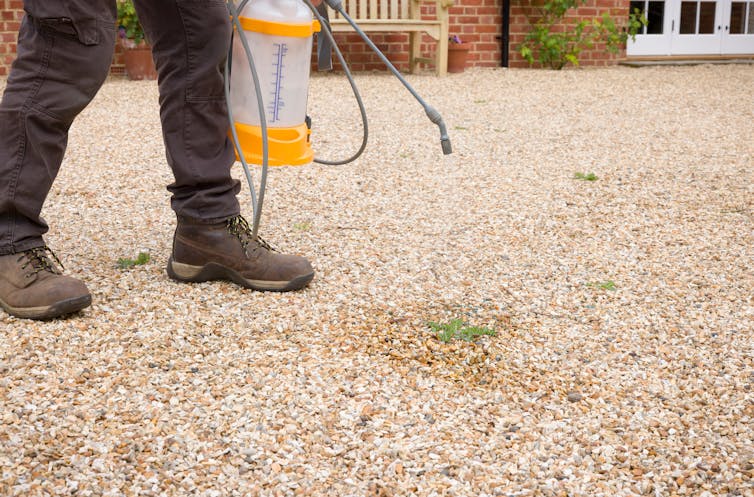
[475,21]
[11,12]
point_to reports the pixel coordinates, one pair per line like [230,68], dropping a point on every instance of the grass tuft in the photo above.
[603,285]
[457,328]
[141,259]
[585,177]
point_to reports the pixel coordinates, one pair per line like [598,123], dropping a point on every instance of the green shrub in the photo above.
[129,27]
[554,42]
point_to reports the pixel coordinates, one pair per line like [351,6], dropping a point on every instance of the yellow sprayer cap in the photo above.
[279,28]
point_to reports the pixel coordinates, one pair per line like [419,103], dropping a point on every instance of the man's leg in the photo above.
[190,41]
[63,55]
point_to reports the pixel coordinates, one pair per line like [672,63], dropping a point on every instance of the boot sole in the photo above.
[56,310]
[212,271]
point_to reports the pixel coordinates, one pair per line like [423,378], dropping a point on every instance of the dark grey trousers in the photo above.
[64,53]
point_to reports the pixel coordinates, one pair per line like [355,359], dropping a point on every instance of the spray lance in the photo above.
[267,88]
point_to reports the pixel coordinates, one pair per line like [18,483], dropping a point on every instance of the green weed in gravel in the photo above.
[456,328]
[603,285]
[141,259]
[585,177]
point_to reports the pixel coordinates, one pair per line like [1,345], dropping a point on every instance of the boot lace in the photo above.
[38,260]
[239,227]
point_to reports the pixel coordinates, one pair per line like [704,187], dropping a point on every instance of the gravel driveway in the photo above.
[622,303]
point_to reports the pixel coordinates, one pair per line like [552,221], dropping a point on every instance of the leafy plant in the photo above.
[130,30]
[603,285]
[140,260]
[585,177]
[555,42]
[302,226]
[456,328]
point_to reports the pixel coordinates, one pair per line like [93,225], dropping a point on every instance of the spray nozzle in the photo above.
[447,148]
[436,118]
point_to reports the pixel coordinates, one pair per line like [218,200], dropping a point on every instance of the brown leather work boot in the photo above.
[32,286]
[227,251]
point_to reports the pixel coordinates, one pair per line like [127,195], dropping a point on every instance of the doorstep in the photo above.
[686,60]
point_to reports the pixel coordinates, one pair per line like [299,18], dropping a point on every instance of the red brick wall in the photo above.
[118,67]
[11,12]
[479,22]
[475,21]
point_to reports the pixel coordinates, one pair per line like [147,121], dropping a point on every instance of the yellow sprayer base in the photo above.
[287,146]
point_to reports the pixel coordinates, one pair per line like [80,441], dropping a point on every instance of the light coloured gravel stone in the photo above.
[633,292]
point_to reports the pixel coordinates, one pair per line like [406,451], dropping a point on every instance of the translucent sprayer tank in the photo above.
[279,34]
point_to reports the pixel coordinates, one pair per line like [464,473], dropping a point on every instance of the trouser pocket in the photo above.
[85,32]
[76,19]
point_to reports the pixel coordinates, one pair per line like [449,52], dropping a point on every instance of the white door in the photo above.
[694,27]
[697,27]
[654,38]
[738,34]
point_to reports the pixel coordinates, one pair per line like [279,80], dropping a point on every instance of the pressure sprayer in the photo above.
[267,89]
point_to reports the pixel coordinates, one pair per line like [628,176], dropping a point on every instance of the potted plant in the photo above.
[137,54]
[458,51]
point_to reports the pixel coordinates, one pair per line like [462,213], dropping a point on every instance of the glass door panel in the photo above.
[738,14]
[706,24]
[655,12]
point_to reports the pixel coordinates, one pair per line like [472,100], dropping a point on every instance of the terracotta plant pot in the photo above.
[457,54]
[139,63]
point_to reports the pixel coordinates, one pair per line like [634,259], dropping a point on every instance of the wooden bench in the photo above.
[403,16]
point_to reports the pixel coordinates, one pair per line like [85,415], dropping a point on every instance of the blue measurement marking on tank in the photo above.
[281,49]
